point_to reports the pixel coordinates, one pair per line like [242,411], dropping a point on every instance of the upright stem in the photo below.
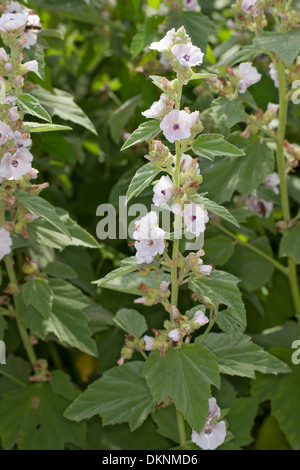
[22,330]
[174,270]
[283,180]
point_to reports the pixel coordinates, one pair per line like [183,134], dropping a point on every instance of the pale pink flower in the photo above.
[3,54]
[12,22]
[15,166]
[157,108]
[33,174]
[273,181]
[190,4]
[164,287]
[195,219]
[140,300]
[149,343]
[13,114]
[248,6]
[214,433]
[149,239]
[163,191]
[165,43]
[10,99]
[31,66]
[274,75]
[20,142]
[31,39]
[187,161]
[249,76]
[188,55]
[176,125]
[206,269]
[175,335]
[260,206]
[273,108]
[14,7]
[200,318]
[5,133]
[5,243]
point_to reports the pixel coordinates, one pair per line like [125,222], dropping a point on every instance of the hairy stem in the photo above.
[174,270]
[283,179]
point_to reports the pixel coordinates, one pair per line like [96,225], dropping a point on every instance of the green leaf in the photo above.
[145,132]
[227,113]
[38,293]
[220,288]
[131,321]
[141,180]
[43,233]
[186,377]
[253,270]
[241,418]
[129,282]
[30,105]
[215,208]
[197,26]
[42,208]
[61,270]
[202,75]
[121,116]
[62,385]
[219,249]
[121,395]
[226,175]
[213,145]
[289,245]
[146,33]
[128,266]
[62,104]
[285,45]
[243,358]
[283,392]
[166,422]
[230,326]
[67,320]
[32,418]
[37,127]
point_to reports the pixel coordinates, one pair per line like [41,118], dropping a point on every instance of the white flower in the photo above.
[273,181]
[200,318]
[31,39]
[273,108]
[13,114]
[176,125]
[157,108]
[249,76]
[33,174]
[248,6]
[186,161]
[12,22]
[195,117]
[214,433]
[15,166]
[3,54]
[149,343]
[195,219]
[5,243]
[163,191]
[165,43]
[261,207]
[164,287]
[149,239]
[190,4]
[206,269]
[20,142]
[175,335]
[274,75]
[31,66]
[10,99]
[5,133]
[14,7]
[188,55]
[140,300]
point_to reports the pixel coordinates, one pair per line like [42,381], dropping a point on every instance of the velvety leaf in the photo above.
[186,377]
[241,418]
[285,45]
[213,145]
[243,358]
[121,116]
[145,132]
[30,105]
[142,179]
[215,208]
[290,243]
[220,288]
[121,395]
[38,293]
[131,321]
[227,113]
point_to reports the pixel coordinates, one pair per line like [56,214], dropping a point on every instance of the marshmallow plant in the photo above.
[31,301]
[180,371]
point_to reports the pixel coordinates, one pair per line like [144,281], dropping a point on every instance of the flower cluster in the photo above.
[19,27]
